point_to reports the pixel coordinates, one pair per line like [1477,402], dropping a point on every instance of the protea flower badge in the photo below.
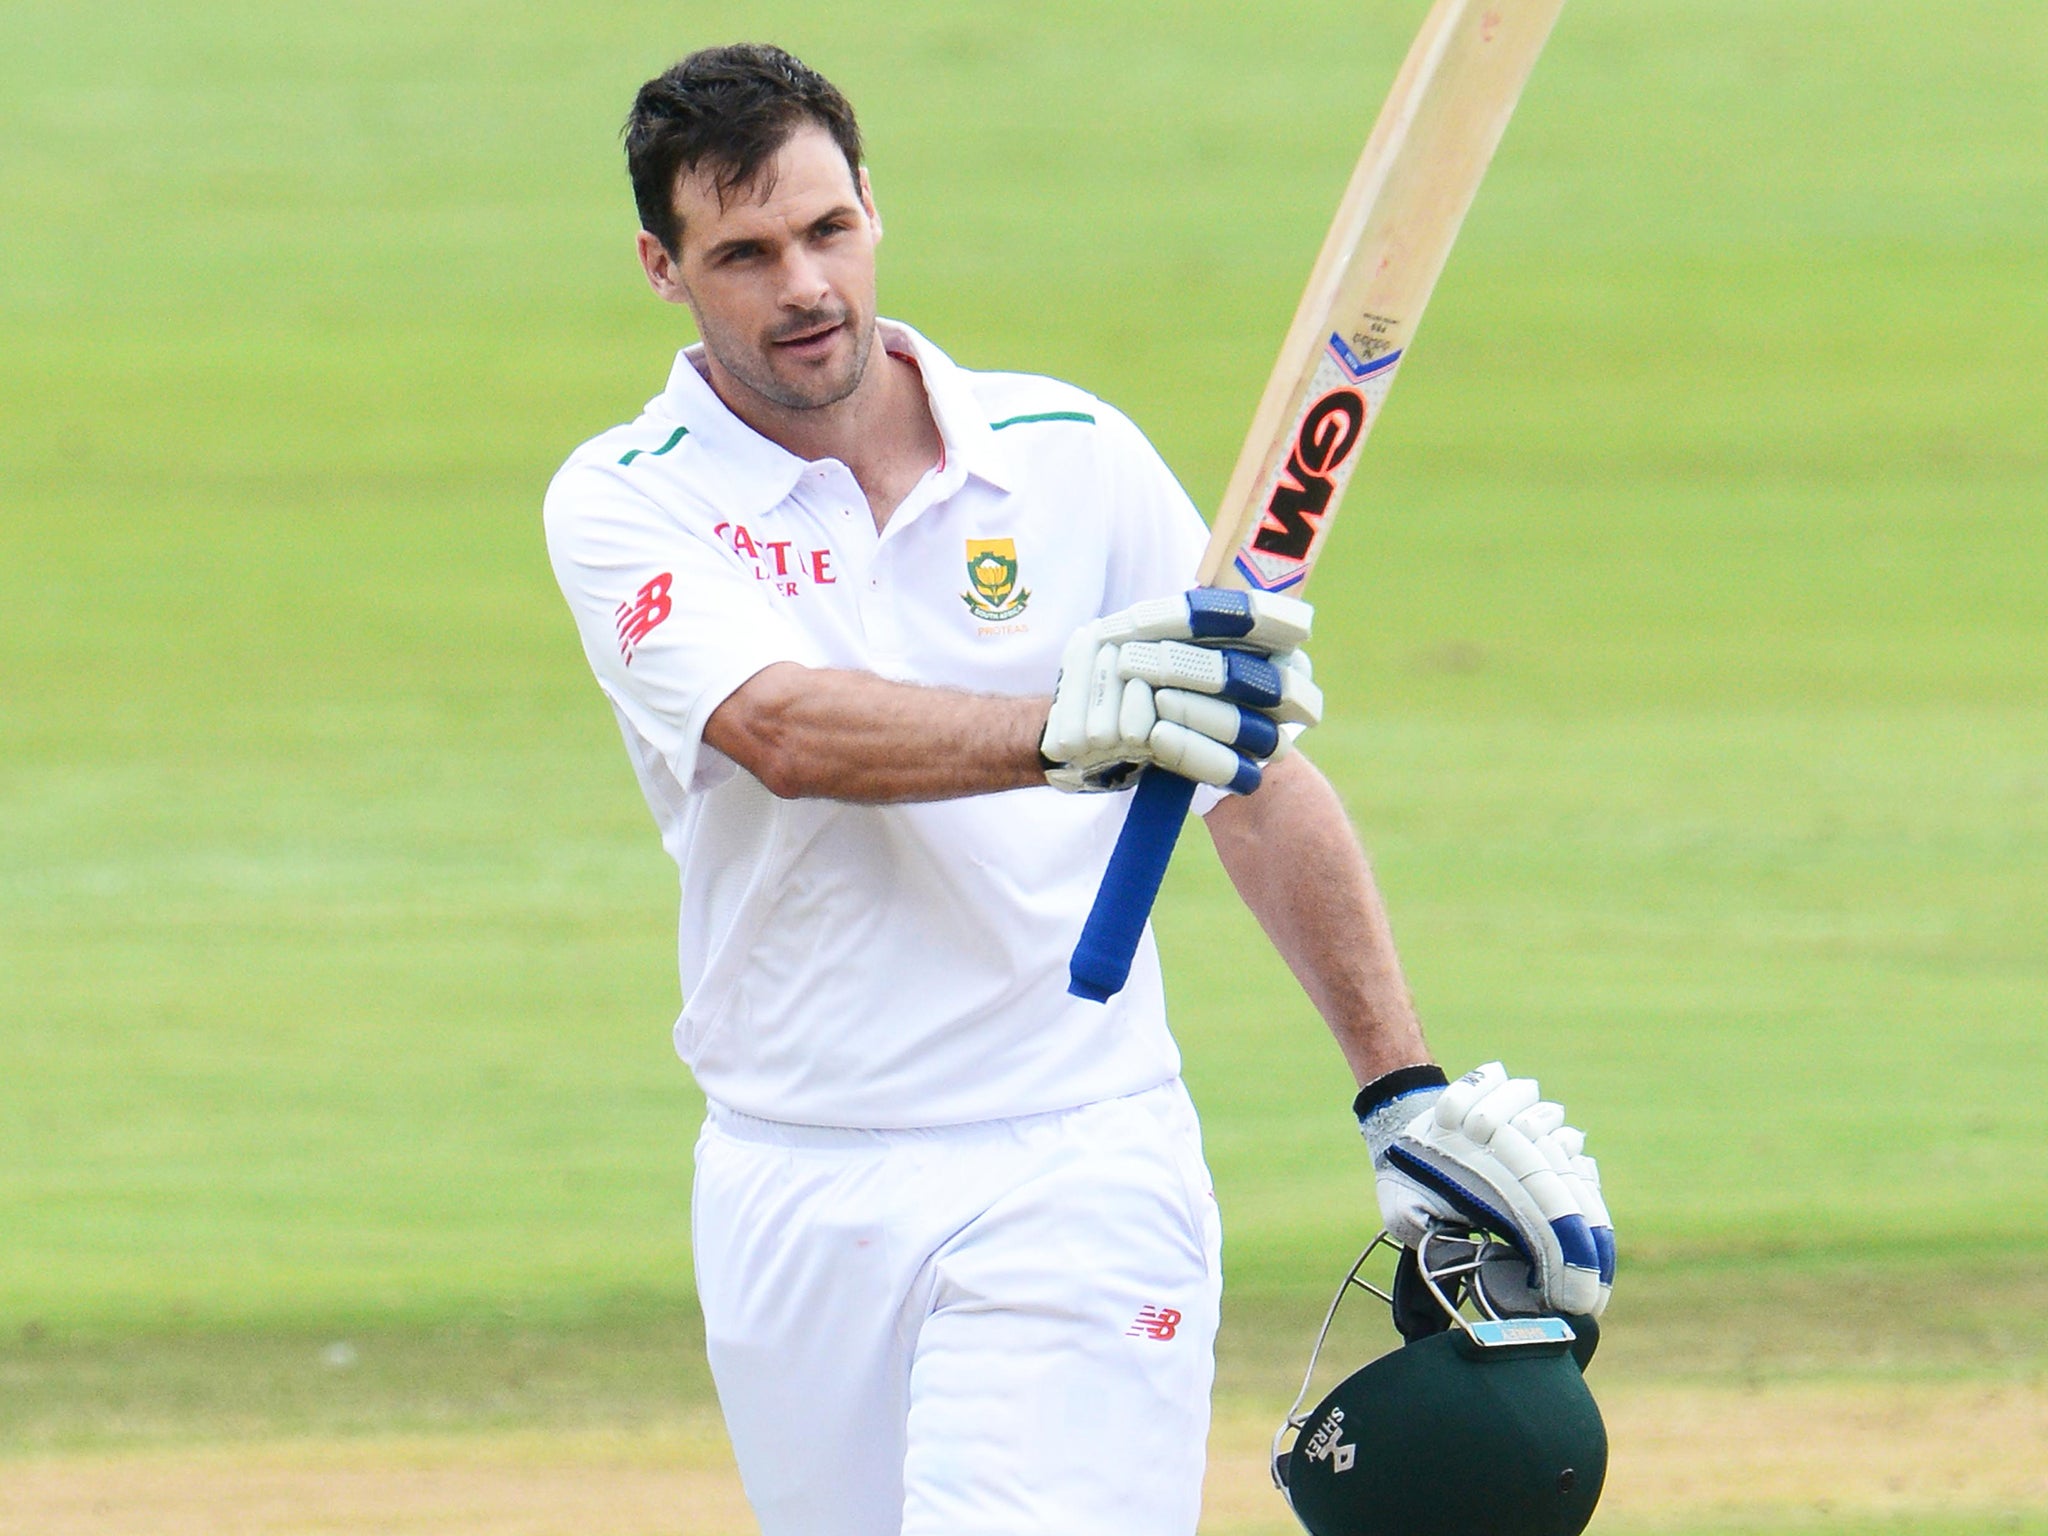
[992,568]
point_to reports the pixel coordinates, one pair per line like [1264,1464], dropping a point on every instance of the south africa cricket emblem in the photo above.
[992,568]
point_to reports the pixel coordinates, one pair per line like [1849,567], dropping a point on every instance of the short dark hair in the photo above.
[729,110]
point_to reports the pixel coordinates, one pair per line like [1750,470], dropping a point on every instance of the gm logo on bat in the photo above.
[1330,432]
[1300,498]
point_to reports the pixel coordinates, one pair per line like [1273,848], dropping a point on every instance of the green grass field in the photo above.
[1687,652]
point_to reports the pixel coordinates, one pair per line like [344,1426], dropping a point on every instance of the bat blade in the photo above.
[1378,265]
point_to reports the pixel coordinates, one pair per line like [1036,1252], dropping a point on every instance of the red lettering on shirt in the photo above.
[637,619]
[777,560]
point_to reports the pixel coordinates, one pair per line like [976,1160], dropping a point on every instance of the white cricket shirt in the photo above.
[854,965]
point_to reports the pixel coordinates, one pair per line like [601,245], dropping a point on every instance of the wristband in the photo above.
[1397,1084]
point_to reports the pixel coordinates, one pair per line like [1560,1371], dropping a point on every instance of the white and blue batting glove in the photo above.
[1199,684]
[1489,1152]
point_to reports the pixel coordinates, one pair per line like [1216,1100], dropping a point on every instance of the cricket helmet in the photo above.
[1479,1426]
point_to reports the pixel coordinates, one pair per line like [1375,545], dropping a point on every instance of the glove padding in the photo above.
[1489,1152]
[1199,684]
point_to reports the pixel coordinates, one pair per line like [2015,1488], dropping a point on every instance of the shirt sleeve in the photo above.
[1157,543]
[671,620]
[1157,537]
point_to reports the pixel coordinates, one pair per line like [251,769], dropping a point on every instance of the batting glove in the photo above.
[1199,684]
[1489,1152]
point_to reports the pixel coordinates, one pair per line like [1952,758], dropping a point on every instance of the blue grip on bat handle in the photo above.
[1102,960]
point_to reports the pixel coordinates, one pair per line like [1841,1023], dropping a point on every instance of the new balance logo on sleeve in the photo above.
[637,619]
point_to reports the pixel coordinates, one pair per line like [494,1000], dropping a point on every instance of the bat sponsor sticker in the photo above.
[1303,485]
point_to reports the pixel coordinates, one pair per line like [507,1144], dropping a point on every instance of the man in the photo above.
[954,1241]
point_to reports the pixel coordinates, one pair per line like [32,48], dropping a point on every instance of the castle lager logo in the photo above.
[992,569]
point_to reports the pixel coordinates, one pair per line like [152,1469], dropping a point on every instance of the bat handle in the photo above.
[1109,941]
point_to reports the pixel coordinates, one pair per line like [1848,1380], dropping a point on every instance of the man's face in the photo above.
[781,280]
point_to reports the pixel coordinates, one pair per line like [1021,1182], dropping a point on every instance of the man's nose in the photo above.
[804,284]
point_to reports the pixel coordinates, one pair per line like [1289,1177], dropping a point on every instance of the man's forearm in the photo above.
[822,733]
[1290,851]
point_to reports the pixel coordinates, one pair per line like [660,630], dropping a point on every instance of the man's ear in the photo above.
[867,203]
[664,273]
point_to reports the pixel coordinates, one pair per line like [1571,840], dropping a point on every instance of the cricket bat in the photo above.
[1423,162]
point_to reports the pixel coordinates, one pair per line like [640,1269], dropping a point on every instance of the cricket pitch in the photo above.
[1686,1458]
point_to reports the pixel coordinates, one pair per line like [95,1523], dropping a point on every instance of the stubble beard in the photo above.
[754,366]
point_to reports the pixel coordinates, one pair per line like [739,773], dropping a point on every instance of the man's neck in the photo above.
[884,432]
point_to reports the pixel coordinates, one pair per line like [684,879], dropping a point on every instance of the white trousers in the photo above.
[1000,1329]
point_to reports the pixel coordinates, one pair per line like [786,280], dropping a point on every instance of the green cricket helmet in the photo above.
[1475,1426]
